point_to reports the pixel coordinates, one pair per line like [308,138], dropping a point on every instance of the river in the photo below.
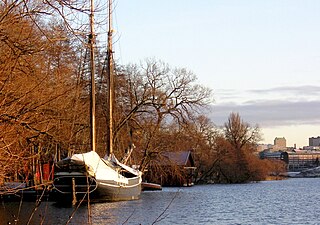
[292,201]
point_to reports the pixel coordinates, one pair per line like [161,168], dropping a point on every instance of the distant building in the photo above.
[311,148]
[295,160]
[280,143]
[314,141]
[262,147]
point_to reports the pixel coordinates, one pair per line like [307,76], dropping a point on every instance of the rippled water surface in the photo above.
[292,201]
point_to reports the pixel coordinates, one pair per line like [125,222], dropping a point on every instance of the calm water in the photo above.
[293,201]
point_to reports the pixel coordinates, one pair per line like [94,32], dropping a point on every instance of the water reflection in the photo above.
[293,201]
[45,213]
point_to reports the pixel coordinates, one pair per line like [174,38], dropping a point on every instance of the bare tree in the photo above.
[37,86]
[159,95]
[43,92]
[240,133]
[238,147]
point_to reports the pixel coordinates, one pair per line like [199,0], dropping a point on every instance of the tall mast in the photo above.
[92,73]
[110,80]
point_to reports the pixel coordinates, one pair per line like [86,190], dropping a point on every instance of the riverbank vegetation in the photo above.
[44,103]
[234,155]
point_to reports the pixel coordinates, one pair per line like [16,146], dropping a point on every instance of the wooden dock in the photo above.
[145,186]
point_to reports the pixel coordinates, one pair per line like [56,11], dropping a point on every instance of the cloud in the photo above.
[286,106]
[290,93]
[305,91]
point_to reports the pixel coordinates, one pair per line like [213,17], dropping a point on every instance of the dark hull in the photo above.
[73,187]
[111,191]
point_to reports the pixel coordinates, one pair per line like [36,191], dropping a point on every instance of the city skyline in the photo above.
[296,119]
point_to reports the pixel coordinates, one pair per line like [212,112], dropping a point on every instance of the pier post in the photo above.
[74,196]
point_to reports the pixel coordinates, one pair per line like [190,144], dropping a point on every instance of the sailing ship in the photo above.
[87,175]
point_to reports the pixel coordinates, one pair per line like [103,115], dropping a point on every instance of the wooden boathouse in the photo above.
[172,169]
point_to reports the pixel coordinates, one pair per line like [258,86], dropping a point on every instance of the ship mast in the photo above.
[92,74]
[110,79]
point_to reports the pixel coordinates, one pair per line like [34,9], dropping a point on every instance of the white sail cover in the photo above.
[99,168]
[128,168]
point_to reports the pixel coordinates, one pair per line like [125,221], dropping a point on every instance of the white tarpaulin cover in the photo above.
[100,169]
[128,168]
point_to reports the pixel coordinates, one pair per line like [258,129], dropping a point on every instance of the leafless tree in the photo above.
[37,85]
[239,164]
[240,133]
[159,96]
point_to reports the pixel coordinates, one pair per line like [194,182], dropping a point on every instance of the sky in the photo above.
[261,58]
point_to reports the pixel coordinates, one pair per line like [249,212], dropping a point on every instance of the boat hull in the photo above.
[112,191]
[73,187]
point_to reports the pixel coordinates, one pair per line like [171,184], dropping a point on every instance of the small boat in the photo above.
[87,176]
[17,191]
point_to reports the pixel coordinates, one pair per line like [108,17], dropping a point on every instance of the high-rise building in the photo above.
[314,141]
[280,143]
